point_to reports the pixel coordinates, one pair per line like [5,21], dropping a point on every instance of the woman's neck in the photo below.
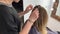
[43,30]
[7,3]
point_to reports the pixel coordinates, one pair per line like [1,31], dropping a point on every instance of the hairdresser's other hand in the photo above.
[34,15]
[30,7]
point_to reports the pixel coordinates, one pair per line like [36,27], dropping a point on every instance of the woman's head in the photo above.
[43,17]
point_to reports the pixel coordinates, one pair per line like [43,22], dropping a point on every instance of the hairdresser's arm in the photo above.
[26,11]
[33,17]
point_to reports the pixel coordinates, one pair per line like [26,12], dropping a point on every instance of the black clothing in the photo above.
[9,22]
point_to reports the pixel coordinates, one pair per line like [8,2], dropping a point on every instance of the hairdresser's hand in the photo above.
[34,15]
[30,7]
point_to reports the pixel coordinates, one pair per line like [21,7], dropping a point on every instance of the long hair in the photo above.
[41,22]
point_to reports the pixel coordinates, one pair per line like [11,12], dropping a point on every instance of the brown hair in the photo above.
[41,22]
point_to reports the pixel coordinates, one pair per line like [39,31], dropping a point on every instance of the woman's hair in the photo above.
[41,22]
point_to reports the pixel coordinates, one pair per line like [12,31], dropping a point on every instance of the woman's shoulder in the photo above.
[51,32]
[2,6]
[34,31]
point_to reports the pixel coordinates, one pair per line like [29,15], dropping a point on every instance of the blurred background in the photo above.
[47,4]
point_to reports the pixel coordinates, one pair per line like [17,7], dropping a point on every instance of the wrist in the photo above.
[30,21]
[25,12]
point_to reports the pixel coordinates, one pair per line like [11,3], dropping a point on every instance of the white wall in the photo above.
[47,4]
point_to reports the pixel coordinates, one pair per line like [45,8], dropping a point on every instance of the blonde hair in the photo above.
[41,22]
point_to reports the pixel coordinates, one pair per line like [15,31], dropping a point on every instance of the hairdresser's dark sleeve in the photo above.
[8,24]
